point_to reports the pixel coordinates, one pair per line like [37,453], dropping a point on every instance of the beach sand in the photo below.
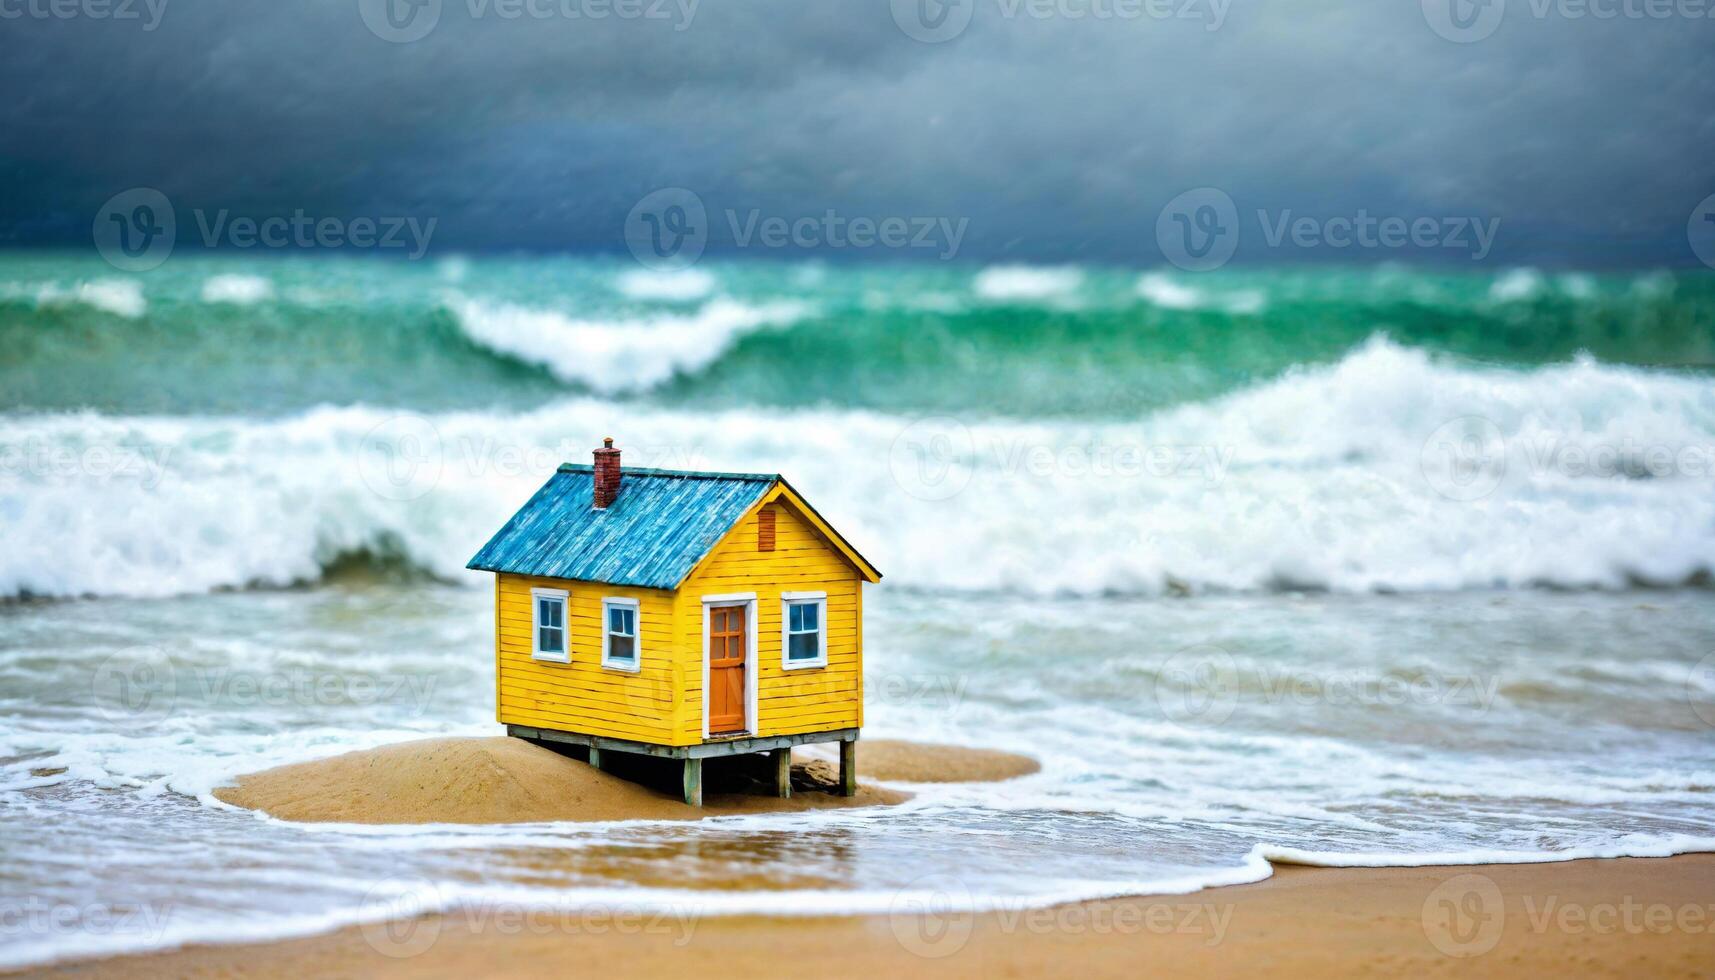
[1626,917]
[509,780]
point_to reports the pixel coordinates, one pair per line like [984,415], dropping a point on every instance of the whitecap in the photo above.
[1007,283]
[238,290]
[121,297]
[667,285]
[1515,285]
[1167,293]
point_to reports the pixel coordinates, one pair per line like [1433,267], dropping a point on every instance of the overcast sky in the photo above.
[1058,137]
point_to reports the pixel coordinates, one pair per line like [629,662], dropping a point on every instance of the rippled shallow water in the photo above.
[1177,736]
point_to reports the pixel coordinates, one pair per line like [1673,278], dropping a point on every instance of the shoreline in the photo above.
[1580,917]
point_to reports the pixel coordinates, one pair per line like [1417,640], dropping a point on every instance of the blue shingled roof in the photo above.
[662,523]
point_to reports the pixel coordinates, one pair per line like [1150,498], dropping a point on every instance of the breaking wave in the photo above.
[1392,469]
[618,355]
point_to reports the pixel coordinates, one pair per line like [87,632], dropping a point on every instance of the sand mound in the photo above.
[509,780]
[911,762]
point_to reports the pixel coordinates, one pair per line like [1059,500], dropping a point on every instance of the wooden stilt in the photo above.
[595,757]
[693,782]
[783,773]
[848,768]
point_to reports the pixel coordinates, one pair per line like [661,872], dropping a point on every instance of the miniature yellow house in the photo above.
[677,614]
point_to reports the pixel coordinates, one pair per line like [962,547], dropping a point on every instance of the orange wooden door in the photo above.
[726,669]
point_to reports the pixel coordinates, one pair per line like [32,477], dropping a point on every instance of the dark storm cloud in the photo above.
[1059,137]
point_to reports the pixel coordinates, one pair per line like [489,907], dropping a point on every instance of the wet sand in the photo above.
[1616,918]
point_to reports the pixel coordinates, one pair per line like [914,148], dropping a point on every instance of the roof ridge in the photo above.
[652,536]
[681,474]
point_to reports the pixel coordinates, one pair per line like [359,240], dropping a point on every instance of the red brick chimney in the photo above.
[607,473]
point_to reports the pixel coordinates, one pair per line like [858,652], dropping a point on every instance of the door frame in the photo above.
[748,601]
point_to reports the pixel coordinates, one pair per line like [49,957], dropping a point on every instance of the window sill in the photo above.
[619,668]
[803,664]
[551,658]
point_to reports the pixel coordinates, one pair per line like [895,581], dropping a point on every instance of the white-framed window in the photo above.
[620,648]
[803,630]
[548,626]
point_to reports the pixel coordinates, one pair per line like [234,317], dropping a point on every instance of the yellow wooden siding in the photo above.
[788,701]
[583,696]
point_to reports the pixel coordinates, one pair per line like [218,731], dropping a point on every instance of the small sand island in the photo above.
[509,780]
